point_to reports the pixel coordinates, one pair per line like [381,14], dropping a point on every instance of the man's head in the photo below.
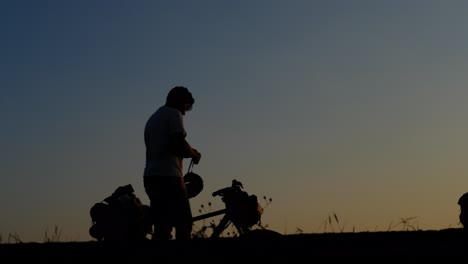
[181,98]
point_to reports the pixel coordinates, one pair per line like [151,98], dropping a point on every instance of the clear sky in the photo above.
[354,108]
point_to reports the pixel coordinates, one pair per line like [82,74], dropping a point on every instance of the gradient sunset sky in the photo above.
[354,108]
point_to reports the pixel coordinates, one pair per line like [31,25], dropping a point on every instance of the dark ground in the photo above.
[448,242]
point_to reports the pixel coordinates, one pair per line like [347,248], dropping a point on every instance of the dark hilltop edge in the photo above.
[447,242]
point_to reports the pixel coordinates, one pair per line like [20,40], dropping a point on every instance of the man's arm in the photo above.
[182,148]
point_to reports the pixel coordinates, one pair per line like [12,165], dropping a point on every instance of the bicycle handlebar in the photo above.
[236,185]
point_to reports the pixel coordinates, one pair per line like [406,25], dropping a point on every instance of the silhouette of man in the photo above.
[166,147]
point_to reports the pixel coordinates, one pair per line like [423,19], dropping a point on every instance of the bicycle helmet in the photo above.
[194,184]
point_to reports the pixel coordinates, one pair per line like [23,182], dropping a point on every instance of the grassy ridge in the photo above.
[449,242]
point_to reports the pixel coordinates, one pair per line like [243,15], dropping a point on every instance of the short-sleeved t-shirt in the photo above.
[160,160]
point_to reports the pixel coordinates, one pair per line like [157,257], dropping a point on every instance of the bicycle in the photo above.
[121,216]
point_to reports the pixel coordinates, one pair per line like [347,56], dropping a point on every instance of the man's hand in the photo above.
[196,156]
